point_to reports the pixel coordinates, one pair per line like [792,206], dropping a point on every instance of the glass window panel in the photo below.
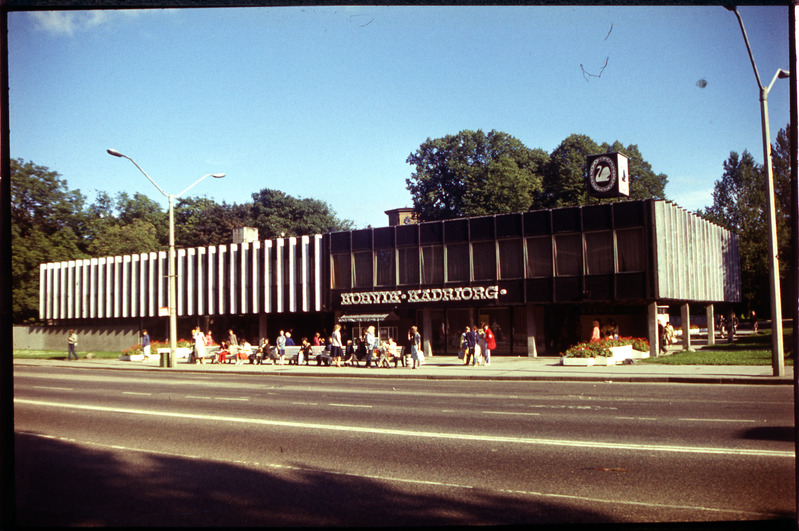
[408,265]
[432,264]
[363,269]
[510,259]
[539,257]
[386,267]
[484,260]
[631,250]
[599,252]
[457,262]
[568,254]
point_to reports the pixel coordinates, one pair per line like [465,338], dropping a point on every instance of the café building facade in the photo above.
[538,278]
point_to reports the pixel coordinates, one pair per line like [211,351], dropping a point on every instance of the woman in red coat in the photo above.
[491,343]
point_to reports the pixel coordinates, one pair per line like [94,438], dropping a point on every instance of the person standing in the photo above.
[470,337]
[145,344]
[335,345]
[369,341]
[72,344]
[491,343]
[280,342]
[199,345]
[596,335]
[416,347]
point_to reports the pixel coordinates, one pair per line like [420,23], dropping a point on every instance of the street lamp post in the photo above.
[777,356]
[172,276]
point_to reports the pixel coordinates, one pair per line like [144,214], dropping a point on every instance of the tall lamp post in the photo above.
[777,356]
[173,319]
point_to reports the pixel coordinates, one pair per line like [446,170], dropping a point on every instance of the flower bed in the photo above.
[603,348]
[606,352]
[136,352]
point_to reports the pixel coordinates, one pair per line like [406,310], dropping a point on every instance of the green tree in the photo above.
[277,214]
[474,173]
[565,180]
[739,204]
[565,175]
[47,225]
[139,236]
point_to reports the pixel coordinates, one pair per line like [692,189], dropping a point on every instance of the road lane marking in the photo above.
[54,388]
[424,434]
[389,479]
[135,393]
[511,413]
[233,399]
[718,420]
[351,405]
[636,418]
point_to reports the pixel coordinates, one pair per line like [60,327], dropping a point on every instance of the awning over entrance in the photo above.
[364,317]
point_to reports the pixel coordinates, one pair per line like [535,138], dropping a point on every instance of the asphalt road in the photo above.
[116,448]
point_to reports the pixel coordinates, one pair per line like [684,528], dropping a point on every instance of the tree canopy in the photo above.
[473,173]
[740,205]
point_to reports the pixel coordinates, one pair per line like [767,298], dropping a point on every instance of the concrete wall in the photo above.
[94,338]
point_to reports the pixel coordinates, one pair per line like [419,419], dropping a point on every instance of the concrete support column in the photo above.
[654,337]
[711,324]
[427,332]
[685,317]
[531,331]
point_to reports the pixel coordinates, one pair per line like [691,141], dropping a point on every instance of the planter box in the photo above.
[134,357]
[619,354]
[577,362]
[180,352]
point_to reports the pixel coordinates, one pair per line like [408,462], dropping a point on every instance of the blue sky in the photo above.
[328,102]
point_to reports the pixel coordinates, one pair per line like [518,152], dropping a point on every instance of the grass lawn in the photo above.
[750,349]
[61,354]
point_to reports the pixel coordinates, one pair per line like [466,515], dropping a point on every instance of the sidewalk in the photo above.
[449,367]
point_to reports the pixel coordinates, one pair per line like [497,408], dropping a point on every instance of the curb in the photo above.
[427,375]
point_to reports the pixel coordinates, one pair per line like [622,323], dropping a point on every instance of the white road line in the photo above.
[199,397]
[234,399]
[54,388]
[134,393]
[425,434]
[280,466]
[636,418]
[718,420]
[511,413]
[351,405]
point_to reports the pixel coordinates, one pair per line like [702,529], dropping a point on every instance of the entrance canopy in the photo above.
[362,317]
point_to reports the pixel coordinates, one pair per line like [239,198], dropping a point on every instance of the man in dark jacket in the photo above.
[471,341]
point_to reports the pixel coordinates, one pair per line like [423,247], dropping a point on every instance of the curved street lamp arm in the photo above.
[748,48]
[116,153]
[192,185]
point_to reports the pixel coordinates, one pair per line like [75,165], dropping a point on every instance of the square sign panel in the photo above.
[608,175]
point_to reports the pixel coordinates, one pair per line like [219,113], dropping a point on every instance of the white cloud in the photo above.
[68,22]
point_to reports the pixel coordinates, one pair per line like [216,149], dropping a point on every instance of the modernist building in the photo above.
[539,278]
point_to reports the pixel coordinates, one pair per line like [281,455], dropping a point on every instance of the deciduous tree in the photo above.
[474,173]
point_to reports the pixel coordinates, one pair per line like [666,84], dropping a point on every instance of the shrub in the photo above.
[602,348]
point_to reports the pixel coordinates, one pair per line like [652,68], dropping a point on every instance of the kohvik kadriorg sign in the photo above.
[474,293]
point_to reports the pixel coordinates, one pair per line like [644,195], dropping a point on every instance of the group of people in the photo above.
[477,344]
[599,332]
[335,351]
